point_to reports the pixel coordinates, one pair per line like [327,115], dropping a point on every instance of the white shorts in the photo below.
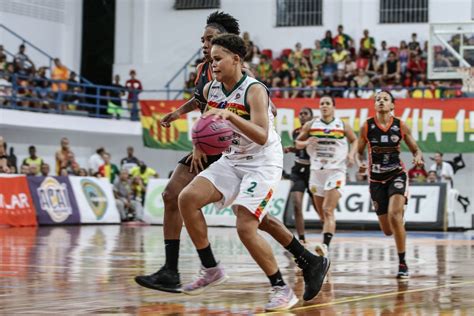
[324,180]
[243,184]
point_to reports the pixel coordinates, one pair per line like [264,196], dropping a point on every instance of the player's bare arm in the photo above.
[412,146]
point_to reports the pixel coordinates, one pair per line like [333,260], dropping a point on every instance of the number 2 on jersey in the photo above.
[252,186]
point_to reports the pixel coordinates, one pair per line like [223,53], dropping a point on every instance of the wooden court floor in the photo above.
[71,270]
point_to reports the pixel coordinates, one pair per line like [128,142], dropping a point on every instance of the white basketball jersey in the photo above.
[331,150]
[243,148]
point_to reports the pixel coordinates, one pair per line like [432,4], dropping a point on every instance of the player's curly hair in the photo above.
[224,22]
[231,42]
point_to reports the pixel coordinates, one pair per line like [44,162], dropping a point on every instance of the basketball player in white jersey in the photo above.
[325,140]
[244,177]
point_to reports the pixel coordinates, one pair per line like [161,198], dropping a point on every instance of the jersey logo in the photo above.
[374,140]
[222,105]
[384,139]
[395,128]
[327,131]
[394,138]
[237,96]
[372,126]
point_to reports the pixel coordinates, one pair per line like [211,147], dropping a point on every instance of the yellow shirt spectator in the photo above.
[144,173]
[59,72]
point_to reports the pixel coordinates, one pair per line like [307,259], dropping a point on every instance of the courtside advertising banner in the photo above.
[54,200]
[95,200]
[16,205]
[154,207]
[426,206]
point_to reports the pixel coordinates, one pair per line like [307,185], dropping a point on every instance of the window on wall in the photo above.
[404,11]
[196,4]
[299,12]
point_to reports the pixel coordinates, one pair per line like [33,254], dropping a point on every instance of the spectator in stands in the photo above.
[130,161]
[41,88]
[403,56]
[318,54]
[60,72]
[44,170]
[441,61]
[366,44]
[138,189]
[368,92]
[24,169]
[297,54]
[62,155]
[432,177]
[63,172]
[340,82]
[3,56]
[3,63]
[33,171]
[134,87]
[362,78]
[144,172]
[444,171]
[383,53]
[349,67]
[339,54]
[329,68]
[108,169]
[391,69]
[414,45]
[264,68]
[255,54]
[74,93]
[327,41]
[4,165]
[416,66]
[33,159]
[96,160]
[114,103]
[342,38]
[128,208]
[5,89]
[22,60]
[352,92]
[315,83]
[189,86]
[72,166]
[82,172]
[250,46]
[417,174]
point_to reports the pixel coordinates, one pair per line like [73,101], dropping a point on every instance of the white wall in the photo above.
[157,40]
[55,26]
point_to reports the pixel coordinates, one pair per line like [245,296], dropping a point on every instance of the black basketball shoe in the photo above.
[165,279]
[314,269]
[402,271]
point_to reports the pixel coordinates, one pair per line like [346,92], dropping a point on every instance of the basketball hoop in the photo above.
[466,74]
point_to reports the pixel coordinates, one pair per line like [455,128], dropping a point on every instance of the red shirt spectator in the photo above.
[417,174]
[133,85]
[416,66]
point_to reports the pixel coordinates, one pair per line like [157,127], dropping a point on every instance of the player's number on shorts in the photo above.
[252,186]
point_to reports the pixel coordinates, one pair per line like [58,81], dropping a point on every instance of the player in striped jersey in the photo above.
[388,179]
[325,140]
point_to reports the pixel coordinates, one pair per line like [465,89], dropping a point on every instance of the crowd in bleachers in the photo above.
[334,66]
[58,88]
[129,178]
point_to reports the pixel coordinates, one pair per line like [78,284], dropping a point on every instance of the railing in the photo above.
[112,102]
[42,52]
[184,70]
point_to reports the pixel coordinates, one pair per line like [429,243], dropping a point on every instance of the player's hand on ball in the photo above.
[196,160]
[168,118]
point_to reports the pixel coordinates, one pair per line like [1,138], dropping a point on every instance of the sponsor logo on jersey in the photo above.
[372,126]
[394,138]
[399,185]
[395,128]
[384,139]
[327,131]
[374,140]
[237,96]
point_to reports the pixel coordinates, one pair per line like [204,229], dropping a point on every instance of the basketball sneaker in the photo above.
[282,298]
[206,278]
[165,279]
[402,271]
[314,269]
[321,250]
